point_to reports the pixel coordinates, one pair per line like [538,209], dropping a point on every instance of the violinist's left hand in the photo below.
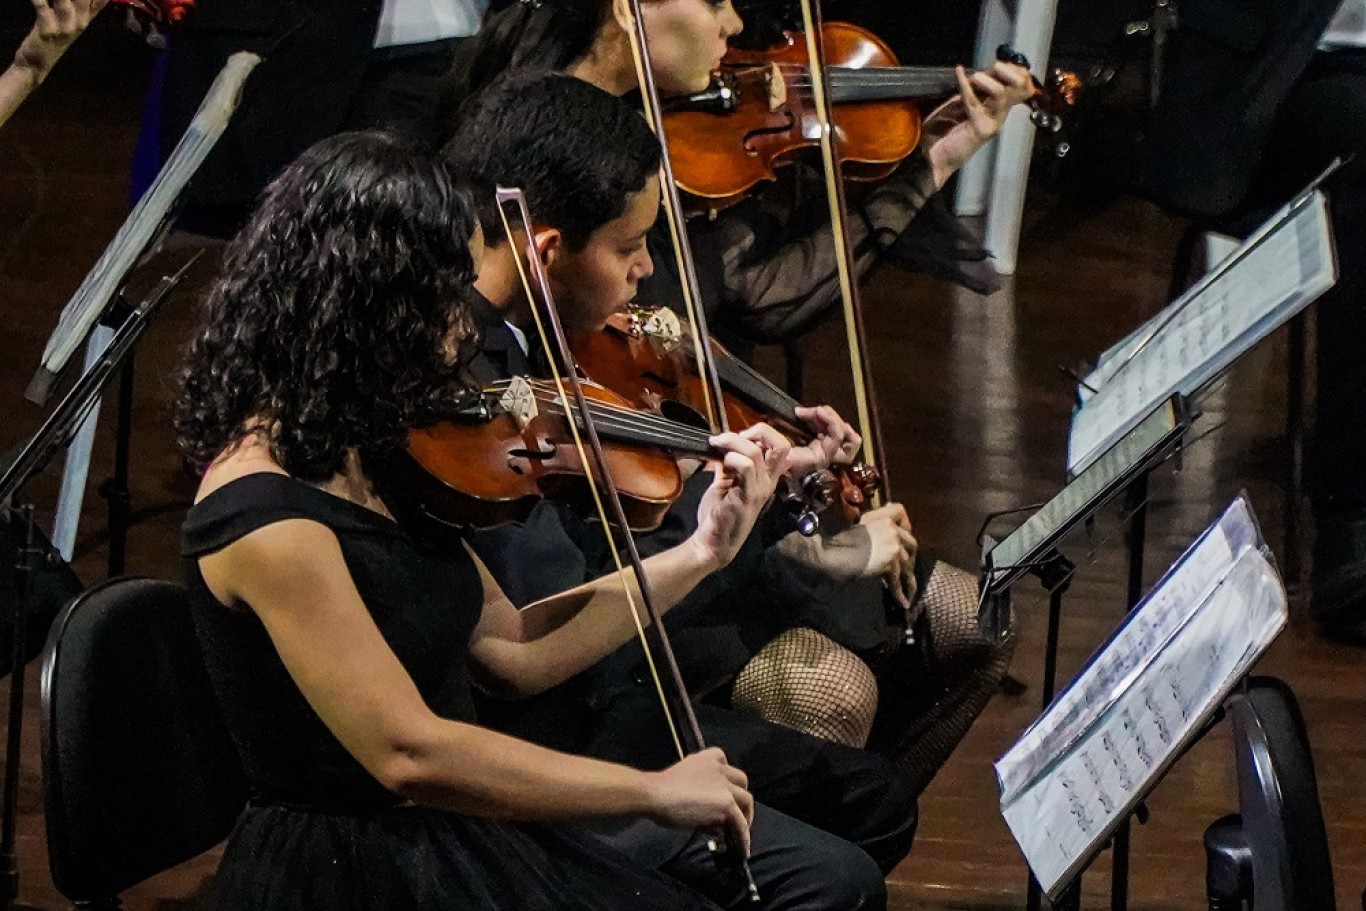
[835,442]
[755,459]
[955,130]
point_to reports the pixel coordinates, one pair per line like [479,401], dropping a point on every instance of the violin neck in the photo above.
[754,386]
[886,83]
[624,425]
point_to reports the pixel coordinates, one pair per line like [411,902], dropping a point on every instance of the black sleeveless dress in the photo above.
[320,833]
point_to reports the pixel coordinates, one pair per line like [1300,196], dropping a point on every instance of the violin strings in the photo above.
[645,426]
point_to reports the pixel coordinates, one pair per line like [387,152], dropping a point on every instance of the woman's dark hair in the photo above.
[576,151]
[331,324]
[519,36]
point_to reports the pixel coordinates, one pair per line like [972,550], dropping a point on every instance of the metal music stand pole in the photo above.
[1055,574]
[1136,502]
[114,489]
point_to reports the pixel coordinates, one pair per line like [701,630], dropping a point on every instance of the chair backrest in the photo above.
[139,773]
[1278,798]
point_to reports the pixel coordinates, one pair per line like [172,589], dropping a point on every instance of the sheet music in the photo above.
[1073,777]
[1085,494]
[1274,274]
[137,233]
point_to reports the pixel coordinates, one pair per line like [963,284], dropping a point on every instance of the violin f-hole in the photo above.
[789,121]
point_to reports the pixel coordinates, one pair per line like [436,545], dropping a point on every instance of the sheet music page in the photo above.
[1276,273]
[1107,740]
[147,217]
[1152,624]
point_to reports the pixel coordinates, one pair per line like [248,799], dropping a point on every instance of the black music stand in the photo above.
[54,434]
[1033,547]
[1035,773]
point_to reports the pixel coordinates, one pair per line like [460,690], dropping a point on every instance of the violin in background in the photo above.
[759,114]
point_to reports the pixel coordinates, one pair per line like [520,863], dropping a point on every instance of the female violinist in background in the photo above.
[761,279]
[805,681]
[58,24]
[343,653]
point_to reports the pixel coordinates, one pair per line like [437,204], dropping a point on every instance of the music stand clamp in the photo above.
[54,434]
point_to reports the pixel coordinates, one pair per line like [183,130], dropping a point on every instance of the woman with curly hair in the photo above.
[341,650]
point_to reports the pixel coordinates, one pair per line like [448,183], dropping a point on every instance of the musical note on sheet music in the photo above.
[1103,744]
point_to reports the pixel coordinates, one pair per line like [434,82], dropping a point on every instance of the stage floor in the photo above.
[975,410]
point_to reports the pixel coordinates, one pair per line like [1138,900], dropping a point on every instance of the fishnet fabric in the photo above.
[914,705]
[805,680]
[928,705]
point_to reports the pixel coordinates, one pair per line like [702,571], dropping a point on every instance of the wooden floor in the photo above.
[976,415]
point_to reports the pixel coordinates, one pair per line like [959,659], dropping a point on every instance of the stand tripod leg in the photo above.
[1033,894]
[1136,501]
[24,569]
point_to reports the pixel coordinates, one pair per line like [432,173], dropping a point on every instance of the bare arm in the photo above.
[527,652]
[59,23]
[293,576]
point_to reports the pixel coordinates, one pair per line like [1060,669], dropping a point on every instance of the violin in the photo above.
[758,113]
[645,356]
[511,446]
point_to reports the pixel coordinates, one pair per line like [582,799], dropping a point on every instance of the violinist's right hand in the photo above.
[752,463]
[893,550]
[704,791]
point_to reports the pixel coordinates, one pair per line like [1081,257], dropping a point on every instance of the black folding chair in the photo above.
[139,773]
[1273,855]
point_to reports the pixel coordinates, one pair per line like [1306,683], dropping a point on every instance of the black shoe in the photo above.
[1339,580]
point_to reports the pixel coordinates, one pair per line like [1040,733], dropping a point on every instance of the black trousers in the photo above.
[795,866]
[852,794]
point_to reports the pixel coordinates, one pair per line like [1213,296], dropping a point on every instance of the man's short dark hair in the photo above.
[576,151]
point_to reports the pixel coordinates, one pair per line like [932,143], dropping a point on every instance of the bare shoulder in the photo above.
[248,456]
[290,555]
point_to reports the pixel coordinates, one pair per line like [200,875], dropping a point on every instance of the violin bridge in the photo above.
[777,88]
[519,401]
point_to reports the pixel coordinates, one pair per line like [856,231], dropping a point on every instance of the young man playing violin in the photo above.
[550,135]
[588,166]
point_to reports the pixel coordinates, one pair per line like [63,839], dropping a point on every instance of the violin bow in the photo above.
[678,230]
[687,736]
[865,397]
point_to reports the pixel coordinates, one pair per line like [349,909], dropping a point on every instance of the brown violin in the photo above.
[646,356]
[758,113]
[512,447]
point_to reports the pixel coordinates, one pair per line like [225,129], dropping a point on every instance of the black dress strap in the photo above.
[256,500]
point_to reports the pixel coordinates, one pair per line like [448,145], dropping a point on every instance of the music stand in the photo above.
[1280,269]
[1032,548]
[1086,765]
[60,426]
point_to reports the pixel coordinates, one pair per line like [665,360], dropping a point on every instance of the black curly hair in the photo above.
[331,325]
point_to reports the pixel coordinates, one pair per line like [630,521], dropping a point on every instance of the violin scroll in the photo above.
[1053,98]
